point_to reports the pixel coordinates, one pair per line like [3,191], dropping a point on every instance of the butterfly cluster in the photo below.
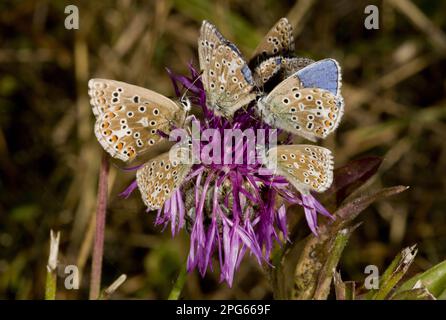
[274,90]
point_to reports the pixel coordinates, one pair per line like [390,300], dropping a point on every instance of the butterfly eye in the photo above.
[142,108]
[293,110]
[310,117]
[136,99]
[156,112]
[130,114]
[284,157]
[151,142]
[309,97]
[153,123]
[286,101]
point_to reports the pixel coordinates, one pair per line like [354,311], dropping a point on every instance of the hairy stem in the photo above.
[98,249]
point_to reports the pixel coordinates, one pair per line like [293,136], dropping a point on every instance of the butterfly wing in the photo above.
[226,77]
[291,65]
[278,41]
[307,167]
[128,117]
[323,74]
[311,112]
[270,67]
[266,70]
[161,176]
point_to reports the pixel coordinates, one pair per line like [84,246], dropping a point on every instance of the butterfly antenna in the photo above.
[185,101]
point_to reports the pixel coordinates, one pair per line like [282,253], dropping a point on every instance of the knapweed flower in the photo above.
[232,196]
[231,207]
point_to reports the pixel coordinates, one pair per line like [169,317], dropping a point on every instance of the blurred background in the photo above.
[394,89]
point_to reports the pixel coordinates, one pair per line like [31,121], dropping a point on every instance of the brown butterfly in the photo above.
[129,118]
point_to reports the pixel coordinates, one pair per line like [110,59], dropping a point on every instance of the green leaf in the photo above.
[333,256]
[393,273]
[414,294]
[434,279]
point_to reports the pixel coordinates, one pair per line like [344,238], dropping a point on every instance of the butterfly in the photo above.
[278,41]
[226,76]
[161,176]
[308,103]
[306,167]
[273,55]
[129,118]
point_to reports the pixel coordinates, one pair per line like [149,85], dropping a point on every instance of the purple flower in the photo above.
[230,209]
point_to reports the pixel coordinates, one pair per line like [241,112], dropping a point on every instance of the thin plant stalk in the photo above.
[98,248]
[51,273]
[179,284]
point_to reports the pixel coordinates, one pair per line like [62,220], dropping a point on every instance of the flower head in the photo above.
[230,208]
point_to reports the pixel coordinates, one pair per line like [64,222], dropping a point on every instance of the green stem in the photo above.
[51,285]
[51,268]
[179,284]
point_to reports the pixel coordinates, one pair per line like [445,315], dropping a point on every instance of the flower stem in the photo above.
[98,249]
[51,274]
[179,284]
